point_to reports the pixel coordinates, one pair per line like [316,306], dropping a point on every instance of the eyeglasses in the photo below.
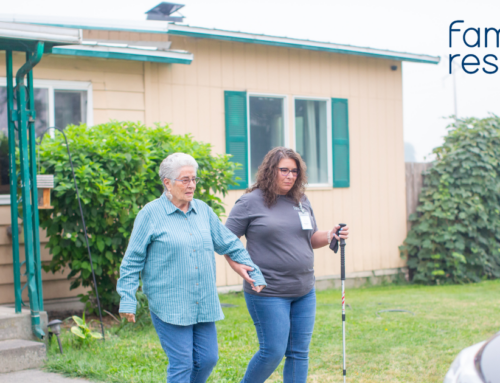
[187,181]
[285,171]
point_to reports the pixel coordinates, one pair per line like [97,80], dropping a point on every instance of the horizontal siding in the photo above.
[5,216]
[54,289]
[7,275]
[55,285]
[105,115]
[123,35]
[106,99]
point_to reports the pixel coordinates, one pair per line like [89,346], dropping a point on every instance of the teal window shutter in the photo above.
[235,104]
[340,143]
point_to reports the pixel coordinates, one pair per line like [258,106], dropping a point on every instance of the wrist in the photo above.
[329,236]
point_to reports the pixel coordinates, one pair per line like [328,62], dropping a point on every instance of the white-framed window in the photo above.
[267,127]
[255,123]
[57,104]
[313,137]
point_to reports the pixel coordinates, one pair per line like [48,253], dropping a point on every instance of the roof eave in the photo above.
[124,54]
[299,44]
[52,35]
[198,32]
[92,24]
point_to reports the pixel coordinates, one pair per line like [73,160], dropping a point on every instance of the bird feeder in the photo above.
[44,183]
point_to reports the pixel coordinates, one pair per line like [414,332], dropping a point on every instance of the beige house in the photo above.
[339,106]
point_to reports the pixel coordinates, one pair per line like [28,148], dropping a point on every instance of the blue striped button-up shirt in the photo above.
[174,253]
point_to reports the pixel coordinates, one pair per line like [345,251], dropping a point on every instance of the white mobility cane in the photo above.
[334,246]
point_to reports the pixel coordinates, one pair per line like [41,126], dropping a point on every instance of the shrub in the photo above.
[116,167]
[456,231]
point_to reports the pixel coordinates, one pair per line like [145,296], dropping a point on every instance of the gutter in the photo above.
[286,42]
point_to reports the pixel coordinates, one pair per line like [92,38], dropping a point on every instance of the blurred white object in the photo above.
[479,363]
[463,369]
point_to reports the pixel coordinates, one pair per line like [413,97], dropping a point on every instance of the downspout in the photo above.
[23,119]
[29,64]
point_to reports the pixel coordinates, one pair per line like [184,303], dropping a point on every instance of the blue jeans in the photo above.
[284,328]
[192,350]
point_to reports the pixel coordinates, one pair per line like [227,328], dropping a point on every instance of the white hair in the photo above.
[170,167]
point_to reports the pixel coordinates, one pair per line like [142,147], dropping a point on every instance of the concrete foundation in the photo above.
[19,348]
[18,326]
[18,354]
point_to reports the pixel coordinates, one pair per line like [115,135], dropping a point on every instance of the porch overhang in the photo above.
[117,52]
[24,37]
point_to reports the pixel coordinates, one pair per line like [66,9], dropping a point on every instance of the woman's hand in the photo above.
[242,271]
[130,317]
[344,233]
[258,288]
[323,238]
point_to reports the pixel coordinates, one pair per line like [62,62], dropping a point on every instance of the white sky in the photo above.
[401,25]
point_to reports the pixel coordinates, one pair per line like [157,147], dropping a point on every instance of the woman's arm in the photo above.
[242,271]
[133,264]
[324,237]
[225,242]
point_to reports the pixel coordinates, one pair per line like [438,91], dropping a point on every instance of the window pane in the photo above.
[70,107]
[4,145]
[42,110]
[266,129]
[41,123]
[311,138]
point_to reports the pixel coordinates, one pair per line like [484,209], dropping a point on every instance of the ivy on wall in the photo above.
[455,234]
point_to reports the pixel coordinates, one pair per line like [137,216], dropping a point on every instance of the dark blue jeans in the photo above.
[284,328]
[192,350]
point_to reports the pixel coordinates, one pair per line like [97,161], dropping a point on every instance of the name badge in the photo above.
[305,221]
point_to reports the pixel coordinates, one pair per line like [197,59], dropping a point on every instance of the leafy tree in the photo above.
[116,167]
[456,231]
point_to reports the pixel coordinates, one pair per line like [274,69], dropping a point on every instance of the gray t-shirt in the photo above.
[276,243]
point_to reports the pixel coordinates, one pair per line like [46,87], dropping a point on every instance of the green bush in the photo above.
[116,166]
[455,234]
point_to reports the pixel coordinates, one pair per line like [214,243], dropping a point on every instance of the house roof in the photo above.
[186,30]
[21,37]
[142,26]
[218,34]
[68,41]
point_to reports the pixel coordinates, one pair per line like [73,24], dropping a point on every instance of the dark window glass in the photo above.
[41,124]
[42,110]
[4,146]
[71,107]
[266,129]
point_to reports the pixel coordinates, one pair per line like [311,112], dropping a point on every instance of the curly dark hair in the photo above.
[268,172]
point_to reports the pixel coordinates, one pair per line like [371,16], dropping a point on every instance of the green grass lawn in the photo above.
[398,347]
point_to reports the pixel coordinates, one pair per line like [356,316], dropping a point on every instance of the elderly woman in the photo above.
[172,247]
[278,222]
